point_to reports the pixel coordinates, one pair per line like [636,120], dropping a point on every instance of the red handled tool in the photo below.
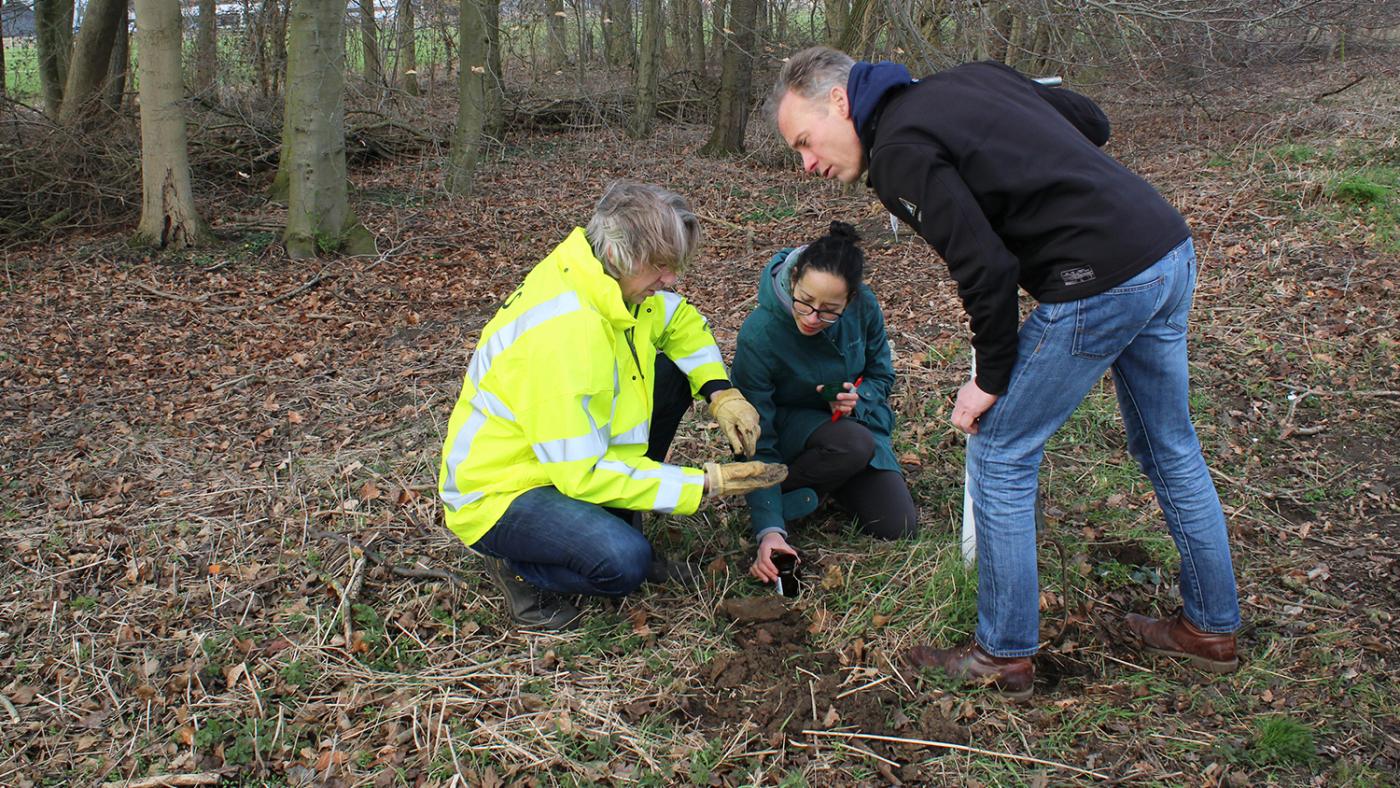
[836,414]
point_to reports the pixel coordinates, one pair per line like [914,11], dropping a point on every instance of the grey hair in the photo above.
[810,73]
[637,223]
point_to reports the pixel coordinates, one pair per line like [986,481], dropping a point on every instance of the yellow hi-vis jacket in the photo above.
[559,393]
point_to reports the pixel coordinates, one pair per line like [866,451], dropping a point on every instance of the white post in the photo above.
[969,525]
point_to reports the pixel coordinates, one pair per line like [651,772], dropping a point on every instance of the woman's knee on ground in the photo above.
[896,520]
[845,444]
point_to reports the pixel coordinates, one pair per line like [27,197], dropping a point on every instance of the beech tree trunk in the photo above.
[408,47]
[205,41]
[318,205]
[369,42]
[2,52]
[648,61]
[472,77]
[554,27]
[736,82]
[617,26]
[92,58]
[53,22]
[495,75]
[697,37]
[115,89]
[168,215]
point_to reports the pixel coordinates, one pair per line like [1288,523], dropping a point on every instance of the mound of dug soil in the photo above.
[778,683]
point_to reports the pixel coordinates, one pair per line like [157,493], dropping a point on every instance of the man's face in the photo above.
[821,130]
[643,283]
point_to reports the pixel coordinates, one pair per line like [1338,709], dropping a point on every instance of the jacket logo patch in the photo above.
[915,215]
[1077,276]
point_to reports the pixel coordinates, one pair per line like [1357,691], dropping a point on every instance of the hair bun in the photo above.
[844,232]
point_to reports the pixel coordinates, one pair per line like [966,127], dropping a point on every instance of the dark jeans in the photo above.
[561,544]
[836,462]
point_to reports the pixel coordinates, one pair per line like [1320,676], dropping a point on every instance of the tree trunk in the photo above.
[53,22]
[472,77]
[618,14]
[408,47]
[717,22]
[681,30]
[205,59]
[495,75]
[92,57]
[168,215]
[736,81]
[554,27]
[648,60]
[697,37]
[2,52]
[369,42]
[120,64]
[318,208]
[838,14]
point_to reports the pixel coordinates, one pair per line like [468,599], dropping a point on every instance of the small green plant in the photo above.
[1295,153]
[83,603]
[1281,742]
[298,672]
[1360,190]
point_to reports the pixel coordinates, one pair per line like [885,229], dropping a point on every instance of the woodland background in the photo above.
[247,249]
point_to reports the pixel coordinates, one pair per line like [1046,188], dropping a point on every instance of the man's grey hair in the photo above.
[810,73]
[637,223]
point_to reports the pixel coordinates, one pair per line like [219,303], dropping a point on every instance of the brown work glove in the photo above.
[739,478]
[737,418]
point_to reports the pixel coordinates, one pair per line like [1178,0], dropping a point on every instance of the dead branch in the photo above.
[172,296]
[401,571]
[296,291]
[961,748]
[202,778]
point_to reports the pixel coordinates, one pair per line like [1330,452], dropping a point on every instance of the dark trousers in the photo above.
[561,544]
[836,462]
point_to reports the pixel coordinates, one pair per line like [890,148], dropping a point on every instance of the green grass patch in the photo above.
[1281,742]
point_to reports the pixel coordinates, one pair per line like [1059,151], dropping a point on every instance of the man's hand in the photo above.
[737,418]
[741,478]
[972,402]
[763,567]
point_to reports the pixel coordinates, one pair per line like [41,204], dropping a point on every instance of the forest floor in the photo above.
[223,557]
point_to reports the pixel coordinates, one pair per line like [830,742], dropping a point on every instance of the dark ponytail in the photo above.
[834,253]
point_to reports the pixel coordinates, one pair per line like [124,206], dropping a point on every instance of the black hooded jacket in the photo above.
[1004,177]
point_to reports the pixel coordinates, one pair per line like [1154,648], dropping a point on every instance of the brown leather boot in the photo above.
[1012,676]
[1174,636]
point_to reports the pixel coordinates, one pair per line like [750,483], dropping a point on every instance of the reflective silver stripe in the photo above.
[638,434]
[673,480]
[461,446]
[492,404]
[579,447]
[705,355]
[486,353]
[672,302]
[583,447]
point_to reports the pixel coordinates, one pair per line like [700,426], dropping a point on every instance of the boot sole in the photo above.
[1208,665]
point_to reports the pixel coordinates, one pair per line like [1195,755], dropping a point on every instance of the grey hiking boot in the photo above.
[529,606]
[682,573]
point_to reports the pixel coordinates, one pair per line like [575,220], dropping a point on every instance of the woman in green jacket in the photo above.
[814,361]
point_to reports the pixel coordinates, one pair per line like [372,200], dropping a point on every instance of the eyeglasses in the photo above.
[804,309]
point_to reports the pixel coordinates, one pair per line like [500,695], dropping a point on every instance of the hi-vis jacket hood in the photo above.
[778,370]
[559,393]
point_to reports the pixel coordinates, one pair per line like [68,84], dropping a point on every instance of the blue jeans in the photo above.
[1138,330]
[562,544]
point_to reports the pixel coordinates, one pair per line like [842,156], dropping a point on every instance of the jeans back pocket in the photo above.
[1107,322]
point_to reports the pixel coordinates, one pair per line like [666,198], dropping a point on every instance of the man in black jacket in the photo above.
[1005,179]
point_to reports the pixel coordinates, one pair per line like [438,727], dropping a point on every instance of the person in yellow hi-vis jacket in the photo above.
[569,406]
